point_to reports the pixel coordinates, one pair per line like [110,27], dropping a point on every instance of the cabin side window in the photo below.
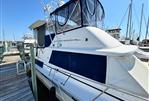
[40,35]
[90,66]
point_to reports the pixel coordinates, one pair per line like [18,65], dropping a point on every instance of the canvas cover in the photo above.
[77,13]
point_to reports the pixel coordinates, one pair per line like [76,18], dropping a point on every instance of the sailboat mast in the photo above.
[3,36]
[128,30]
[1,22]
[147,27]
[141,22]
[130,26]
[128,23]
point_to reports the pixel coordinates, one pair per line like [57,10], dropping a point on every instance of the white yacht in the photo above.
[28,39]
[1,52]
[145,45]
[83,62]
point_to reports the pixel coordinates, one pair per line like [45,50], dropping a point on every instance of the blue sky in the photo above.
[17,15]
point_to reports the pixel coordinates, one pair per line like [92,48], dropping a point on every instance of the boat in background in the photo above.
[11,48]
[144,56]
[143,51]
[1,52]
[144,45]
[114,32]
[27,40]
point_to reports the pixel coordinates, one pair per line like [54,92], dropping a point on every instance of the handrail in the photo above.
[108,86]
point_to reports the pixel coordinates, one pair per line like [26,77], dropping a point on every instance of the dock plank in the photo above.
[14,87]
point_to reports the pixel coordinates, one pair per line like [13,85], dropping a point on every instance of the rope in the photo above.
[144,20]
[123,17]
[136,16]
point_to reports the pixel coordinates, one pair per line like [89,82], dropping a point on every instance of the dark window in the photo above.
[41,35]
[39,63]
[62,16]
[48,39]
[90,66]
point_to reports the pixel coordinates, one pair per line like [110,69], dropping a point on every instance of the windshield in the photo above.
[77,13]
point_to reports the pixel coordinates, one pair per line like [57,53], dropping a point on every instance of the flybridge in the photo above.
[72,15]
[77,13]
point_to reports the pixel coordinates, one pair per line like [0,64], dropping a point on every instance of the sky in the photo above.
[115,10]
[17,15]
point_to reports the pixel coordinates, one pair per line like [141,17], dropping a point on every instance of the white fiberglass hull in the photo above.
[71,86]
[99,69]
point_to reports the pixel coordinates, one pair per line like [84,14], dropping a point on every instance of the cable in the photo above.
[144,19]
[136,16]
[123,17]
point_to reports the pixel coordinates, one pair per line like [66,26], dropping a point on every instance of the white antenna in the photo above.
[48,8]
[14,39]
[3,36]
[60,2]
[52,5]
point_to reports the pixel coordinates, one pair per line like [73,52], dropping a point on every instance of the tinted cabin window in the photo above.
[90,66]
[39,63]
[41,35]
[48,39]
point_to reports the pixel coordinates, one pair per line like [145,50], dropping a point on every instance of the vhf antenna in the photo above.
[52,5]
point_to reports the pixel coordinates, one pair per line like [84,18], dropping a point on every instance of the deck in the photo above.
[14,87]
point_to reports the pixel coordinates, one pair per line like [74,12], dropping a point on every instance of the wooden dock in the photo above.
[14,87]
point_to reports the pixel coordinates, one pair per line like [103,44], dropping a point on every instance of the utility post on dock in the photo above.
[33,72]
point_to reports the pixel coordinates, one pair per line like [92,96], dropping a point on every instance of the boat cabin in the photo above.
[72,15]
[145,42]
[115,32]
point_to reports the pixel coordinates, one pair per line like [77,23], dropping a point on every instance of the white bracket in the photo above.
[21,67]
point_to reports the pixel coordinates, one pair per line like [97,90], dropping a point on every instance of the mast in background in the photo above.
[141,23]
[130,26]
[1,31]
[147,27]
[129,23]
[3,36]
